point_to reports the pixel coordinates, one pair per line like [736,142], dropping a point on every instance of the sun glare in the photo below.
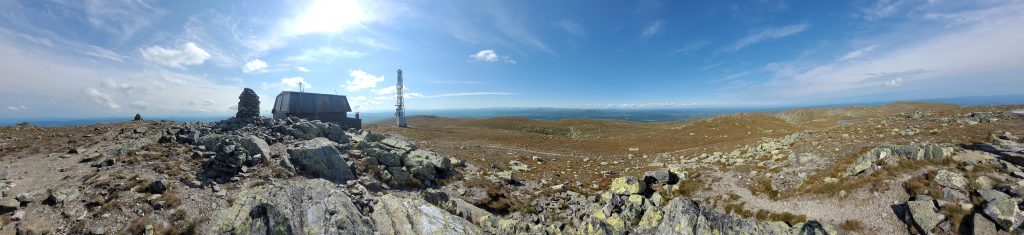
[329,16]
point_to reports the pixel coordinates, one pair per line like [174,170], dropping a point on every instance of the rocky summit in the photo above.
[961,173]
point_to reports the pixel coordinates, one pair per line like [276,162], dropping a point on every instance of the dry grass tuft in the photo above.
[852,226]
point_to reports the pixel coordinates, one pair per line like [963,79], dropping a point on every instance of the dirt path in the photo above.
[872,209]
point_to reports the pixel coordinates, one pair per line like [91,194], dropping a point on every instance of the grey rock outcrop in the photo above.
[248,105]
[684,216]
[313,206]
[887,154]
[1005,213]
[319,159]
[394,215]
[924,215]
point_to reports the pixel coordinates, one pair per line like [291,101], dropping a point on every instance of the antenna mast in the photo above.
[400,106]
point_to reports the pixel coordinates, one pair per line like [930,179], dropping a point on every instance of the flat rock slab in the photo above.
[408,216]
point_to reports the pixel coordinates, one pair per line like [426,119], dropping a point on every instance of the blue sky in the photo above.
[95,58]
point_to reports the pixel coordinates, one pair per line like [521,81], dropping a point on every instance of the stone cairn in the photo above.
[248,105]
[138,117]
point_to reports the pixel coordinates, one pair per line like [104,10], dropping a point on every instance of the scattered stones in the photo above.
[891,154]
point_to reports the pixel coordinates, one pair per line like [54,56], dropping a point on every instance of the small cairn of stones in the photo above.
[138,117]
[231,159]
[248,105]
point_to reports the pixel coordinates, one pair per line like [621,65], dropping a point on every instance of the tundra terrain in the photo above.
[902,168]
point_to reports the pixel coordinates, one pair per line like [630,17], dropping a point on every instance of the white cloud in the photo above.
[571,28]
[490,56]
[390,90]
[882,9]
[122,17]
[894,83]
[295,82]
[984,58]
[17,108]
[857,53]
[652,29]
[362,80]
[767,34]
[302,69]
[324,54]
[254,66]
[188,54]
[102,98]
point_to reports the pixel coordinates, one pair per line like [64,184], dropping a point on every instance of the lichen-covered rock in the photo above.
[924,215]
[320,160]
[395,215]
[313,206]
[518,166]
[862,164]
[684,216]
[1004,212]
[421,157]
[398,143]
[951,179]
[627,185]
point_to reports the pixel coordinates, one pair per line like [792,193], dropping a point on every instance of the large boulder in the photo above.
[684,216]
[8,205]
[407,216]
[422,157]
[924,215]
[254,145]
[1004,212]
[313,206]
[983,225]
[319,159]
[952,180]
